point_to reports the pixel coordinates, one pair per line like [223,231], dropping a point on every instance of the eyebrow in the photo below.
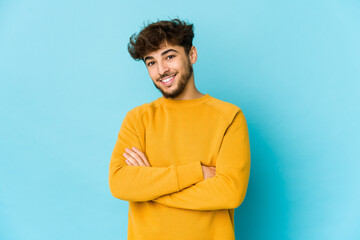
[162,54]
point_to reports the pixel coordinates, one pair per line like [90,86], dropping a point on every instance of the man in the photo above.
[183,160]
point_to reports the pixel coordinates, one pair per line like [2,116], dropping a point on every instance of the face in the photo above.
[170,68]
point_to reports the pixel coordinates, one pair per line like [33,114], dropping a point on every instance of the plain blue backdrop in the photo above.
[67,81]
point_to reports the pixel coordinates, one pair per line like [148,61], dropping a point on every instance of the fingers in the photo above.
[135,157]
[130,160]
[208,172]
[142,155]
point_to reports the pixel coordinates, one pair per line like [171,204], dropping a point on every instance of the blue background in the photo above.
[67,82]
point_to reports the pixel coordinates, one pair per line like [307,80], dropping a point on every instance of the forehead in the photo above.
[164,48]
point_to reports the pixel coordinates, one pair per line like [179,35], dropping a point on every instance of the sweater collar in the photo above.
[184,103]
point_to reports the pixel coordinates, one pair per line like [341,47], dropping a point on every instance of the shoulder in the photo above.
[140,110]
[228,109]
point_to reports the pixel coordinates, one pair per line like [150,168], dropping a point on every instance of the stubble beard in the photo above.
[180,85]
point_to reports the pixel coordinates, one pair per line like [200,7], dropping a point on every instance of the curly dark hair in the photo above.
[154,35]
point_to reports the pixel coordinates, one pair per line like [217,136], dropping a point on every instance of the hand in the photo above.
[134,157]
[208,172]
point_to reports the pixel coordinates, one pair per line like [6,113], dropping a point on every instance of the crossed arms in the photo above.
[131,177]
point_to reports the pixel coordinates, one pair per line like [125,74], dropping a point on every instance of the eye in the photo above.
[150,63]
[170,56]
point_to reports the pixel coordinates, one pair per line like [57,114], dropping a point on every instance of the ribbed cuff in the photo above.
[189,174]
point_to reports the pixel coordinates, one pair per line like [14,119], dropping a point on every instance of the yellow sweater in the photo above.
[171,200]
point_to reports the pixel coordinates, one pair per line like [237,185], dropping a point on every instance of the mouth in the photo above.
[168,80]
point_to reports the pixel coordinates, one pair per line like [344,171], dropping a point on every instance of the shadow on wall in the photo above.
[264,214]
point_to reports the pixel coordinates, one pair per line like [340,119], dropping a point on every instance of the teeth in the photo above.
[167,80]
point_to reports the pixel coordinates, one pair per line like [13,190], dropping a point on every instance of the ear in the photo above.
[193,55]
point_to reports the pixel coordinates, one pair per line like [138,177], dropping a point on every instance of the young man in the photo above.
[183,160]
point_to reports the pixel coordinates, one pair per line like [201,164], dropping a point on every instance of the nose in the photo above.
[162,68]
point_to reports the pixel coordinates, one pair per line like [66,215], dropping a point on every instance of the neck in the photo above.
[190,92]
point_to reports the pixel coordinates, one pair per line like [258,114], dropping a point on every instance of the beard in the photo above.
[181,84]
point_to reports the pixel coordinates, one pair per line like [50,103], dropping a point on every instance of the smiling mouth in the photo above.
[168,80]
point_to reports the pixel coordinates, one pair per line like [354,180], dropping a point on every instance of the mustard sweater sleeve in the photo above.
[140,183]
[227,189]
